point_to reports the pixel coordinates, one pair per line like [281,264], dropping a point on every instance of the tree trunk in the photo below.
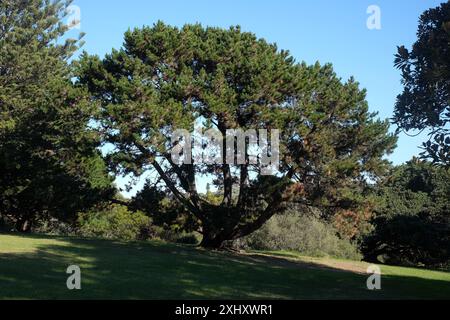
[211,241]
[23,225]
[216,231]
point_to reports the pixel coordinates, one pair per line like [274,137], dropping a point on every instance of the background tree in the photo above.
[164,210]
[425,101]
[49,164]
[412,217]
[167,78]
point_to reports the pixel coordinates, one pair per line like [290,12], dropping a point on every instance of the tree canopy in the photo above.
[167,78]
[49,163]
[425,101]
[412,216]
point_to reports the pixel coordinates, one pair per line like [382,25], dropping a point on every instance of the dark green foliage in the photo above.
[412,222]
[173,236]
[49,165]
[425,101]
[166,78]
[188,239]
[408,240]
[165,211]
[32,57]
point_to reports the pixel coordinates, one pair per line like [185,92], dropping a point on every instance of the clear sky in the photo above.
[313,30]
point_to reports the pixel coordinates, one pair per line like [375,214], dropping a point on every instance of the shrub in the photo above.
[6,224]
[55,227]
[408,240]
[115,222]
[189,238]
[412,217]
[176,236]
[299,232]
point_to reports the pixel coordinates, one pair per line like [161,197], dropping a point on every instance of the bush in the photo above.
[175,236]
[412,217]
[55,227]
[408,240]
[6,225]
[189,238]
[294,231]
[115,222]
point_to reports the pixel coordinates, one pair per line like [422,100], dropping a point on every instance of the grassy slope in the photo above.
[34,267]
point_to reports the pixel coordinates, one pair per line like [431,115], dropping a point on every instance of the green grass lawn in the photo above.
[33,267]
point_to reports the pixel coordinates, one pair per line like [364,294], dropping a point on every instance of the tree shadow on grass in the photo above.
[147,270]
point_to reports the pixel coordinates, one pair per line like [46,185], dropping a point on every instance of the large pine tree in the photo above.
[166,78]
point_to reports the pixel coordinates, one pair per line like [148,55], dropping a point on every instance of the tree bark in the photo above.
[23,225]
[209,242]
[216,232]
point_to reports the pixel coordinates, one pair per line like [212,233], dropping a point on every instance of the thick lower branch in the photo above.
[175,191]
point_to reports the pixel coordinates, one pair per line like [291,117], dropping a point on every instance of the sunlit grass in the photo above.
[360,266]
[34,267]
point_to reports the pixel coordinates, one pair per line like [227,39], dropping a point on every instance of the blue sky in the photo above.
[320,30]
